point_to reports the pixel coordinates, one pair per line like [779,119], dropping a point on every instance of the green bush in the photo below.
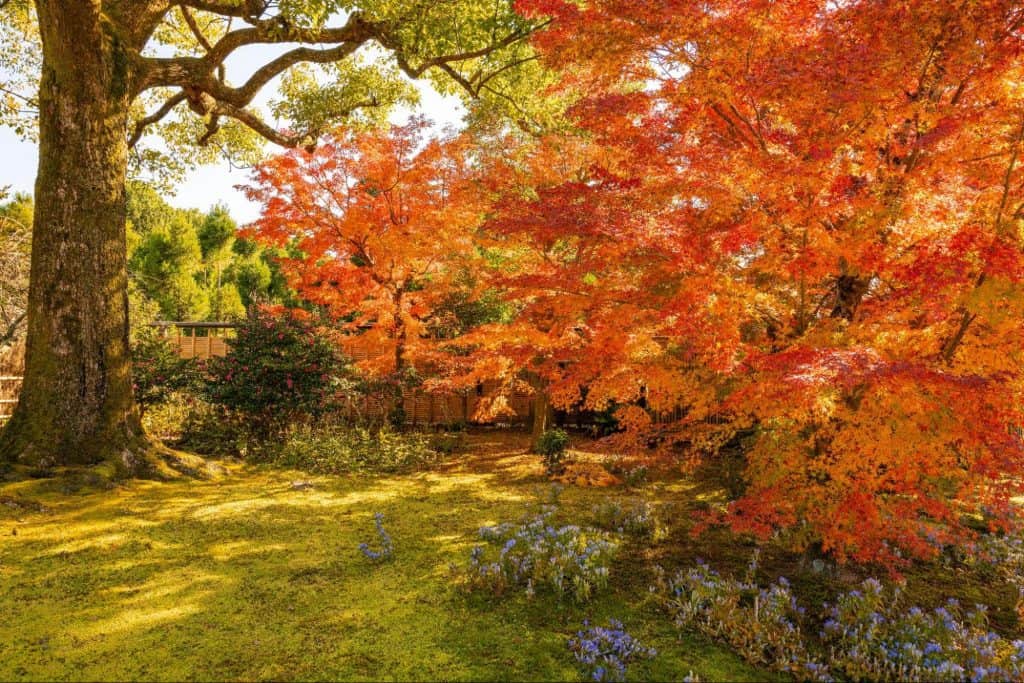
[447,443]
[158,372]
[636,476]
[164,420]
[191,424]
[279,371]
[340,449]
[213,431]
[552,444]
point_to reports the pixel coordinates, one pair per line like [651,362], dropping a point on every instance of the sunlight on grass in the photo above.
[248,578]
[132,619]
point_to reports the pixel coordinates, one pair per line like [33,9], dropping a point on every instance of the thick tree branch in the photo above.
[246,9]
[203,85]
[278,30]
[198,71]
[215,110]
[244,94]
[155,117]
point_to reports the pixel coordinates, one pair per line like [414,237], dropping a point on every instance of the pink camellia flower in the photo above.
[289,382]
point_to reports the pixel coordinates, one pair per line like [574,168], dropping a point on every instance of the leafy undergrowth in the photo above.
[249,576]
[257,574]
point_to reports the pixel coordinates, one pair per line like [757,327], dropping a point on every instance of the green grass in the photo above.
[246,578]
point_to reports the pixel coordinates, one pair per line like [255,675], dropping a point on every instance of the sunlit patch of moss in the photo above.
[248,577]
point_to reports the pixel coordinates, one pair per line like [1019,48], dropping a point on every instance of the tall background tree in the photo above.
[112,72]
[195,266]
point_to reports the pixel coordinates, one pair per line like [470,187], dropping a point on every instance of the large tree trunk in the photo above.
[76,405]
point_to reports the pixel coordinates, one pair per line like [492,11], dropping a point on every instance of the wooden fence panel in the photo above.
[10,387]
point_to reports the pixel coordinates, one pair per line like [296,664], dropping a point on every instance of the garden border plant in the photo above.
[868,633]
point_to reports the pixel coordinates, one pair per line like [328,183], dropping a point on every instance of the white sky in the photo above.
[213,184]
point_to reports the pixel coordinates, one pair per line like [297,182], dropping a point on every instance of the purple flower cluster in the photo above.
[387,548]
[866,635]
[762,624]
[870,635]
[605,651]
[634,518]
[537,554]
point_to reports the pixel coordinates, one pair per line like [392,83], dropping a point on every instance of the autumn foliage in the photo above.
[824,208]
[796,227]
[377,225]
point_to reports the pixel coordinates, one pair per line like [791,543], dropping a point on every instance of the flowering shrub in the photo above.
[387,548]
[636,518]
[279,370]
[538,555]
[339,449]
[870,635]
[158,372]
[762,624]
[605,651]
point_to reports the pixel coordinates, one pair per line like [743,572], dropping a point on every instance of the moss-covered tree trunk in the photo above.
[76,405]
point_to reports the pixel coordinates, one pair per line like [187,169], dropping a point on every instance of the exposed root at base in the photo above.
[161,463]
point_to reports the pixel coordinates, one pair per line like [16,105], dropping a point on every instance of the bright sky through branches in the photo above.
[209,185]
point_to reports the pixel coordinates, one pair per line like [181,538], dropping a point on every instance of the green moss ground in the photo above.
[246,578]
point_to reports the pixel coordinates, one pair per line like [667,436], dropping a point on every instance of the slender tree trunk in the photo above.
[541,411]
[397,413]
[850,291]
[76,405]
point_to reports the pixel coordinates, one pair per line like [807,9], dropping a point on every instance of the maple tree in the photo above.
[380,226]
[800,226]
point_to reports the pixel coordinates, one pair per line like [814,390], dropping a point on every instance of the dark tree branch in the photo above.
[442,60]
[479,80]
[12,329]
[192,71]
[278,30]
[194,27]
[244,9]
[208,106]
[155,117]
[244,94]
[31,101]
[203,86]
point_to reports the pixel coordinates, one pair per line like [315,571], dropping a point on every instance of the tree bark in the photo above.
[76,407]
[541,411]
